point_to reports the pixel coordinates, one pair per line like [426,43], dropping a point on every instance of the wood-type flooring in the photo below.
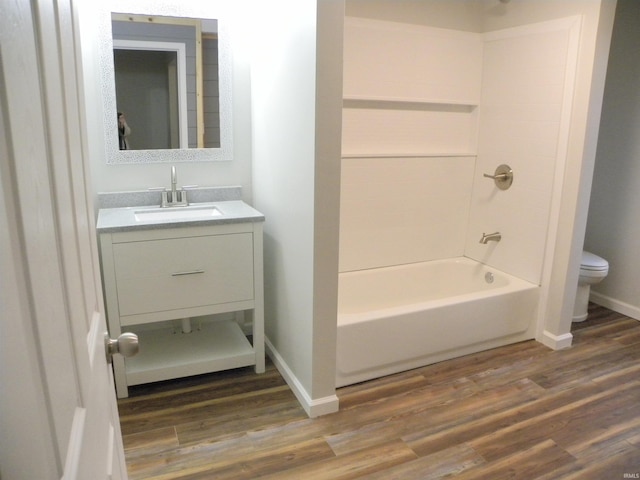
[520,412]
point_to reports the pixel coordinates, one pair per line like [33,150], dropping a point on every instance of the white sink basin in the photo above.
[176,213]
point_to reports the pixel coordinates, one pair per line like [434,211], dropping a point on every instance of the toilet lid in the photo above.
[593,262]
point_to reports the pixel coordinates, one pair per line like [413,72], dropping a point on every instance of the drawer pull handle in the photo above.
[190,272]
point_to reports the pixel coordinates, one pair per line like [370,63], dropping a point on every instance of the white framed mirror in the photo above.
[182,149]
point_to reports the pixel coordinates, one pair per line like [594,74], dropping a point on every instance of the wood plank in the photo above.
[591,433]
[443,414]
[586,367]
[611,441]
[611,467]
[635,439]
[631,337]
[150,440]
[360,393]
[477,363]
[353,465]
[209,407]
[445,463]
[520,411]
[536,366]
[183,391]
[420,400]
[522,435]
[245,464]
[500,420]
[539,459]
[618,376]
[221,426]
[178,463]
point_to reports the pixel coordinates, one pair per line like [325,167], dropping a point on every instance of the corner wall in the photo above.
[527,90]
[571,195]
[296,99]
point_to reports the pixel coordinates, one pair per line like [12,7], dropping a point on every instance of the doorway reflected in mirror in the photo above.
[167,81]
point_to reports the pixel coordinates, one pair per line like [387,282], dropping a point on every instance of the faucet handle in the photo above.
[181,198]
[503,177]
[165,199]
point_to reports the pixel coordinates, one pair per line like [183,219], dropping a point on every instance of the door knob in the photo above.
[126,345]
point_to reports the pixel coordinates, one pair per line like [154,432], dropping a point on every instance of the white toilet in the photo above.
[593,269]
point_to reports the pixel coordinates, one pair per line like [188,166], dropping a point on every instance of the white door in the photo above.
[58,411]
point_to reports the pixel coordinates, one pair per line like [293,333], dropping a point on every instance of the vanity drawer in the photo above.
[170,274]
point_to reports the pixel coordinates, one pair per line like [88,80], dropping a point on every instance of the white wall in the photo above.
[296,107]
[111,178]
[613,227]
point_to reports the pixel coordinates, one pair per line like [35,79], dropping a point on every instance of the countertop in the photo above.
[123,219]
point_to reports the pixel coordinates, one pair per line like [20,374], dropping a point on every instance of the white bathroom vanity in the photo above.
[168,277]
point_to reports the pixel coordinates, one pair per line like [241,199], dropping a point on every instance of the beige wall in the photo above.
[454,14]
[408,142]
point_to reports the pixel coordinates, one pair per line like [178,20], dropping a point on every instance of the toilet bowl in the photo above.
[593,269]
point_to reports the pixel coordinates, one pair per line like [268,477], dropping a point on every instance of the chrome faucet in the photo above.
[176,197]
[174,182]
[490,237]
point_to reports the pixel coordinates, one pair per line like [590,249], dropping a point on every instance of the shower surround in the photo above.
[427,112]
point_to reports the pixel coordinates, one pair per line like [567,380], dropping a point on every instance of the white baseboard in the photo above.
[615,305]
[556,342]
[314,408]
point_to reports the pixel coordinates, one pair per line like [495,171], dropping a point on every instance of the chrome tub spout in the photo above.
[490,237]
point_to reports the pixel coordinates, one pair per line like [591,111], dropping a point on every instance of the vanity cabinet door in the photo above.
[176,273]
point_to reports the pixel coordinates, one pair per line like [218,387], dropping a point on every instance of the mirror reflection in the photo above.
[167,82]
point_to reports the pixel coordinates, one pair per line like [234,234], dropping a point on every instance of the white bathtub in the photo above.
[396,318]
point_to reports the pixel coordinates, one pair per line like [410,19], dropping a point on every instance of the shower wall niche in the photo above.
[426,112]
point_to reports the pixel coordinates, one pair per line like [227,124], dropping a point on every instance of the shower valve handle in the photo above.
[500,176]
[503,176]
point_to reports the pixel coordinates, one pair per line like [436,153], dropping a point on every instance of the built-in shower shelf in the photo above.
[359,101]
[401,127]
